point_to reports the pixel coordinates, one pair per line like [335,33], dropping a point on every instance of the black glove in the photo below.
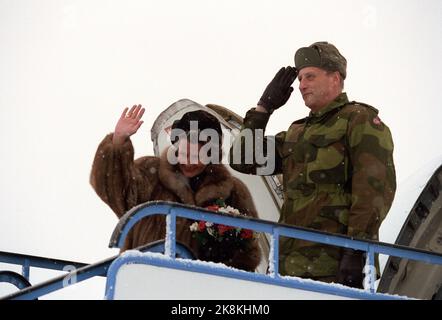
[278,91]
[351,267]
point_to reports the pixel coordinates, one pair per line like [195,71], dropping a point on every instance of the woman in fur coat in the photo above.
[122,183]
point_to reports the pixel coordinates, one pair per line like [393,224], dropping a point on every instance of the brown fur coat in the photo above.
[123,183]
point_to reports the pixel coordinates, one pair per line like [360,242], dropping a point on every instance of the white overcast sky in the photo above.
[68,68]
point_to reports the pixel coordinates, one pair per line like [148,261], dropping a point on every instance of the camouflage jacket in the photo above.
[338,176]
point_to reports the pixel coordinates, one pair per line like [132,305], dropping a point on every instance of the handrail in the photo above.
[28,261]
[14,278]
[62,281]
[173,210]
[80,271]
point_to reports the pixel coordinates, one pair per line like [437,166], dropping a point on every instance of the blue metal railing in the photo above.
[15,279]
[74,270]
[174,210]
[77,272]
[28,261]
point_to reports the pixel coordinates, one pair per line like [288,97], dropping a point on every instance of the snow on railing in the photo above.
[174,210]
[171,249]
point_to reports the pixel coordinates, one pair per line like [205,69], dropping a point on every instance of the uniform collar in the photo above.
[338,102]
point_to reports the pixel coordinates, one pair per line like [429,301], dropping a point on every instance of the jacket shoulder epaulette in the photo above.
[357,103]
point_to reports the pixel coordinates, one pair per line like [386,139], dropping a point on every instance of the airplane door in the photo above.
[266,191]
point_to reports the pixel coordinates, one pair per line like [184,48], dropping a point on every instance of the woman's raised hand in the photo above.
[128,124]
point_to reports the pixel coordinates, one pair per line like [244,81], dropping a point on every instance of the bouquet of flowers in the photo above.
[219,242]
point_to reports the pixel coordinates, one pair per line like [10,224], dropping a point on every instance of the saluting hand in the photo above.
[128,124]
[279,89]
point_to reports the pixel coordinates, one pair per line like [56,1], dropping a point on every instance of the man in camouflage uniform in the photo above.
[337,165]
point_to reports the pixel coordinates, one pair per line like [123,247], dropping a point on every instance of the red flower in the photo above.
[202,225]
[246,233]
[222,229]
[213,207]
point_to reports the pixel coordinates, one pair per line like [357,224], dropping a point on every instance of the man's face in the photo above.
[317,87]
[188,158]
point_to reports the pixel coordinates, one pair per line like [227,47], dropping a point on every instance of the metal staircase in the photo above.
[175,257]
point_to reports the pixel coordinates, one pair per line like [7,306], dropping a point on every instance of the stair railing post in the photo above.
[274,254]
[170,242]
[26,268]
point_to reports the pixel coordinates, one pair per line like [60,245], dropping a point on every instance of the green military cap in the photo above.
[323,55]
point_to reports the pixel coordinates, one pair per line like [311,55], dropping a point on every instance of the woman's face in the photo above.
[189,161]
